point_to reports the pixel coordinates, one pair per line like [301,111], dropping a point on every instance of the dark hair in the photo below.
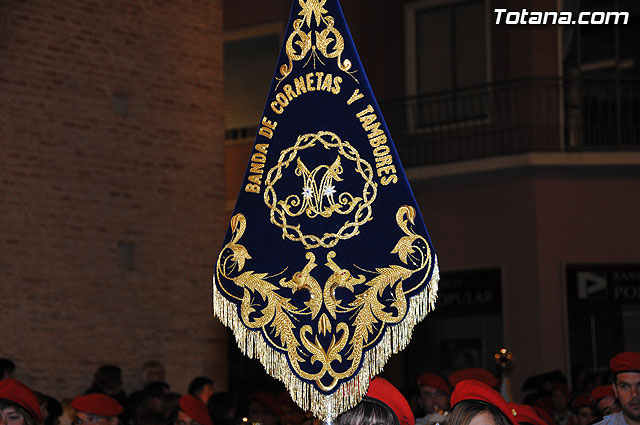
[6,366]
[464,412]
[222,408]
[108,378]
[150,417]
[197,385]
[368,412]
[156,389]
[28,419]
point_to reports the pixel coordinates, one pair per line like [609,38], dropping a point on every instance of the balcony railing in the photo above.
[541,114]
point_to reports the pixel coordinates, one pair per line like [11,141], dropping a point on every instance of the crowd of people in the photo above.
[466,397]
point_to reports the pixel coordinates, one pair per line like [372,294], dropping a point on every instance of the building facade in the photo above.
[111,190]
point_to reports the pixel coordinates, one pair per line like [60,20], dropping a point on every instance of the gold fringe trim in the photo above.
[328,407]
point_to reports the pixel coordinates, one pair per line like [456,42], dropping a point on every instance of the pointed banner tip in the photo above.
[327,265]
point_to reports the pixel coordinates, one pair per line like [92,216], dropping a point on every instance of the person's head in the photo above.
[95,409]
[201,387]
[153,395]
[7,367]
[290,412]
[383,405]
[18,404]
[222,408]
[191,411]
[434,393]
[108,379]
[152,371]
[584,410]
[560,397]
[475,403]
[170,403]
[473,412]
[605,400]
[263,409]
[50,407]
[367,412]
[626,367]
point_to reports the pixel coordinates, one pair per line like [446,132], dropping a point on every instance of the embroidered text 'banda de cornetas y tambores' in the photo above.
[327,265]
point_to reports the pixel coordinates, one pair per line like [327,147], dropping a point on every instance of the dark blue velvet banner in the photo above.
[327,264]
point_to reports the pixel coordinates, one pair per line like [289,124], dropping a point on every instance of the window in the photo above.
[249,62]
[447,61]
[601,68]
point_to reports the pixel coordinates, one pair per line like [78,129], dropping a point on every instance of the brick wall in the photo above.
[111,189]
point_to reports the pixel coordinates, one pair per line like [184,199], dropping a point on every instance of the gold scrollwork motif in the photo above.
[329,42]
[371,312]
[314,195]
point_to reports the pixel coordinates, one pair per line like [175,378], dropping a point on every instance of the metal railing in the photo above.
[538,114]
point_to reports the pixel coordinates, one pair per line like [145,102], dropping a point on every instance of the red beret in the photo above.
[582,401]
[559,386]
[601,392]
[433,380]
[98,404]
[478,374]
[471,389]
[195,408]
[625,362]
[383,391]
[18,393]
[526,414]
[269,401]
[544,404]
[544,414]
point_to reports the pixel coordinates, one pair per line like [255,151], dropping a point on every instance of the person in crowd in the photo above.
[18,404]
[544,409]
[152,371]
[170,402]
[434,399]
[151,398]
[290,412]
[263,408]
[222,408]
[626,387]
[476,403]
[560,401]
[605,400]
[479,374]
[50,407]
[585,412]
[191,411]
[526,415]
[150,417]
[383,405]
[545,415]
[68,412]
[201,387]
[108,380]
[96,409]
[7,369]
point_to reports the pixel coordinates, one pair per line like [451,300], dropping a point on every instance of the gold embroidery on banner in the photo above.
[267,307]
[318,198]
[300,42]
[313,195]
